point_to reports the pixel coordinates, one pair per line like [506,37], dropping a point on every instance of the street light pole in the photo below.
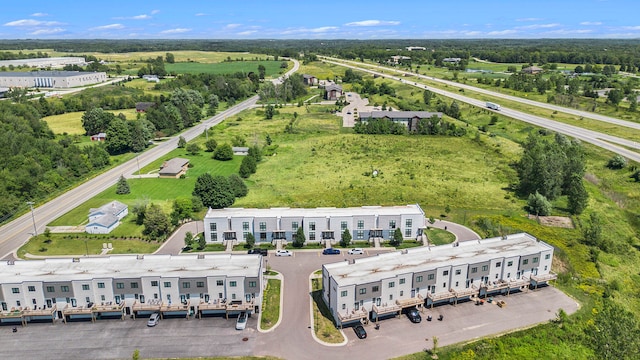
[35,229]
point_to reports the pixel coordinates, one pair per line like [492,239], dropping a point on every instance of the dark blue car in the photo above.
[330,251]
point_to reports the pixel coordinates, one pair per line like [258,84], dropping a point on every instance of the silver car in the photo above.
[241,323]
[153,319]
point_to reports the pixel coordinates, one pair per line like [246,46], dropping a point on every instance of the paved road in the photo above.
[356,104]
[18,231]
[581,113]
[461,232]
[593,137]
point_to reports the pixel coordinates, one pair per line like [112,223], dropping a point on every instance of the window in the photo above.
[375,288]
[64,288]
[392,284]
[547,257]
[312,236]
[343,293]
[153,283]
[363,291]
[525,261]
[101,285]
[419,278]
[252,284]
[245,226]
[392,224]
[233,296]
[390,296]
[360,234]
[401,281]
[360,224]
[214,236]
[401,293]
[213,227]
[200,284]
[407,232]
[294,225]
[263,226]
[456,284]
[485,267]
[244,235]
[233,283]
[444,284]
[458,272]
[219,282]
[430,277]
[119,285]
[409,223]
[535,260]
[134,285]
[15,290]
[344,306]
[474,269]
[545,268]
[498,264]
[102,298]
[343,225]
[312,225]
[510,263]
[85,286]
[445,273]
[50,289]
[32,288]
[186,285]
[167,284]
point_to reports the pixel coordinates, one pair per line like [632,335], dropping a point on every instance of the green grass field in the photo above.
[272,67]
[71,123]
[270,304]
[81,243]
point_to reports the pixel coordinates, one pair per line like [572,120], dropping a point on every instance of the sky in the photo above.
[305,19]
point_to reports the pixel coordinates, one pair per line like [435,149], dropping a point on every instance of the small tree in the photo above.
[432,220]
[136,355]
[122,187]
[156,222]
[188,239]
[251,241]
[617,162]
[182,142]
[269,112]
[238,186]
[193,149]
[346,238]
[268,139]
[223,152]
[202,243]
[47,235]
[211,145]
[538,204]
[397,237]
[299,238]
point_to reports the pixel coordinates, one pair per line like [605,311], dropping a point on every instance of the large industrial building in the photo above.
[323,225]
[131,284]
[50,79]
[373,287]
[44,63]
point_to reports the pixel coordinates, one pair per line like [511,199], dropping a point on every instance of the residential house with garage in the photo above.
[104,219]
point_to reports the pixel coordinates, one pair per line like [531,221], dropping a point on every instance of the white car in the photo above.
[356,251]
[153,319]
[241,323]
[284,253]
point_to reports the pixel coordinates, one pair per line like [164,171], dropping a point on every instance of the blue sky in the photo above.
[303,19]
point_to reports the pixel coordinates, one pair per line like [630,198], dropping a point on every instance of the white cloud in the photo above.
[175,31]
[318,30]
[141,17]
[631,27]
[502,32]
[591,23]
[539,26]
[39,14]
[323,29]
[153,12]
[109,27]
[32,22]
[47,31]
[568,32]
[372,23]
[232,26]
[248,32]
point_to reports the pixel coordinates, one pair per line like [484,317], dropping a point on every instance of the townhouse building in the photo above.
[368,288]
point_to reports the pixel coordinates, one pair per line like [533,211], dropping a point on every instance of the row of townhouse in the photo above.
[319,225]
[130,284]
[371,287]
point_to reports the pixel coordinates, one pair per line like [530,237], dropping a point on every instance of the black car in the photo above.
[414,316]
[361,333]
[260,251]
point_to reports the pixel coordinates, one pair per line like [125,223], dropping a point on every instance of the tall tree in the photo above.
[223,152]
[238,186]
[214,191]
[96,120]
[118,137]
[156,222]
[614,334]
[345,240]
[299,238]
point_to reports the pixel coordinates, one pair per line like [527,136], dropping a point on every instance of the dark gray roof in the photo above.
[114,207]
[333,87]
[173,166]
[105,220]
[399,114]
[43,73]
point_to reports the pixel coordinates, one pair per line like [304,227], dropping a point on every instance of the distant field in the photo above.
[180,56]
[71,123]
[272,67]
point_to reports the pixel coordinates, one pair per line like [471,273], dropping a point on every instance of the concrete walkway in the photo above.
[174,244]
[461,232]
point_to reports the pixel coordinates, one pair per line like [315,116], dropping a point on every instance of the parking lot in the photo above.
[117,339]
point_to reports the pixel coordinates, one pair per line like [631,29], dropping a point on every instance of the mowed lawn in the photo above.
[71,123]
[271,67]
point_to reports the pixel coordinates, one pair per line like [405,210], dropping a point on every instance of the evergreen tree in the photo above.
[538,204]
[577,196]
[122,187]
[250,241]
[397,238]
[299,239]
[346,238]
[248,166]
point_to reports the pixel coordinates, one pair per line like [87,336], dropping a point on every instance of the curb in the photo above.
[281,278]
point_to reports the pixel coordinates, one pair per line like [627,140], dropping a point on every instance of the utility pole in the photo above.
[35,229]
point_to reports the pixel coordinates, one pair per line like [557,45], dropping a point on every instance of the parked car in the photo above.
[356,251]
[414,315]
[330,251]
[241,323]
[260,251]
[153,319]
[283,253]
[361,333]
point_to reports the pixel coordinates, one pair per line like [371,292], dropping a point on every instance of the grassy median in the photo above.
[323,325]
[270,304]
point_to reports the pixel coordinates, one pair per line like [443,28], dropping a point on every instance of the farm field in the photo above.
[71,123]
[272,67]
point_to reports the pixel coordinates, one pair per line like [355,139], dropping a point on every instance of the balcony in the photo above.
[227,307]
[462,293]
[354,315]
[544,277]
[151,305]
[385,308]
[410,302]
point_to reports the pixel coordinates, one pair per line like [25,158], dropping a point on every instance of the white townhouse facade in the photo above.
[368,288]
[320,224]
[130,284]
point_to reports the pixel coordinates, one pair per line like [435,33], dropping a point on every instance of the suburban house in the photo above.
[116,286]
[532,70]
[320,225]
[104,219]
[151,78]
[143,106]
[397,59]
[240,150]
[332,92]
[383,285]
[309,80]
[407,118]
[451,60]
[174,168]
[99,137]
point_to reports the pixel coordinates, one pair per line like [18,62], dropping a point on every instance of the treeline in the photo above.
[431,126]
[290,89]
[35,164]
[229,88]
[9,55]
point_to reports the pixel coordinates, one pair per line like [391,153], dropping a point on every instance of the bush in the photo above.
[223,152]
[538,204]
[617,162]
